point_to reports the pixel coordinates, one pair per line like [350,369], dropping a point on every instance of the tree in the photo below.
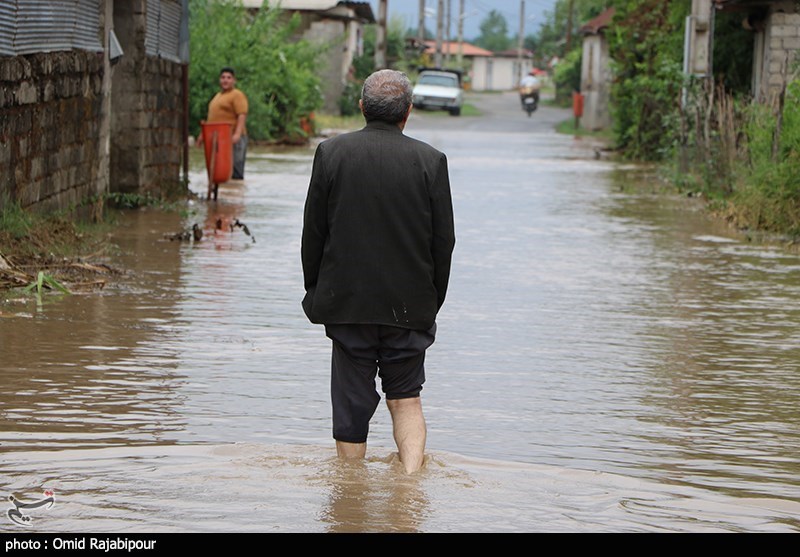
[276,72]
[494,33]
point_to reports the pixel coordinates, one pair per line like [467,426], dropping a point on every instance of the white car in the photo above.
[439,90]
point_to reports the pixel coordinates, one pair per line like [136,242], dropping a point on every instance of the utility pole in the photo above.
[460,34]
[439,31]
[568,41]
[421,24]
[520,39]
[449,16]
[380,39]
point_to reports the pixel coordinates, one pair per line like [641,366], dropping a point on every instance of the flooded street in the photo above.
[608,359]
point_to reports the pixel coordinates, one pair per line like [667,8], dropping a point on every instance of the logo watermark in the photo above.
[17,514]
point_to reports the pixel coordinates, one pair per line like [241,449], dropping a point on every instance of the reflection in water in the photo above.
[723,389]
[623,364]
[369,498]
[77,371]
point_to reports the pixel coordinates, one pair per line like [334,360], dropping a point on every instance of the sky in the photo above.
[476,11]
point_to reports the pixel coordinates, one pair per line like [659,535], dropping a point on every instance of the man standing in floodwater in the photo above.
[378,237]
[230,106]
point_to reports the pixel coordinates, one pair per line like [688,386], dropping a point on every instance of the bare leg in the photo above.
[409,431]
[350,451]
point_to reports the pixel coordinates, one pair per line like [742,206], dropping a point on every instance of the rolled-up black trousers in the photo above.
[360,352]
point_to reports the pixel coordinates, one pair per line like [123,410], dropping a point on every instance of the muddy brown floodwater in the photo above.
[608,359]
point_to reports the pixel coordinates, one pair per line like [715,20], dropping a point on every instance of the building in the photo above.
[776,34]
[91,99]
[338,24]
[490,71]
[500,71]
[596,72]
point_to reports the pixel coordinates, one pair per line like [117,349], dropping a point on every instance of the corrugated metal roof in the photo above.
[170,31]
[162,38]
[8,16]
[151,33]
[88,35]
[29,26]
[597,24]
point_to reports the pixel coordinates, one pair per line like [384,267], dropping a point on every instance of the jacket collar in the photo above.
[378,125]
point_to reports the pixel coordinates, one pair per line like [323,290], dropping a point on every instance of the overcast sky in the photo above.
[476,11]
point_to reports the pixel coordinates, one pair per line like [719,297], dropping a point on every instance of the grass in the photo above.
[568,127]
[336,122]
[467,109]
[29,234]
[15,222]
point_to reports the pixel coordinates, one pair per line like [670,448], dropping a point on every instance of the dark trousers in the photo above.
[239,154]
[362,352]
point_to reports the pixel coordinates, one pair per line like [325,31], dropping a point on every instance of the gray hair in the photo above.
[386,96]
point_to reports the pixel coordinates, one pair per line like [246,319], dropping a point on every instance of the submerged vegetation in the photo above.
[50,252]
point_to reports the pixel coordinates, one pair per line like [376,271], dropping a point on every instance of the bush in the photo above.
[646,44]
[767,193]
[277,73]
[567,75]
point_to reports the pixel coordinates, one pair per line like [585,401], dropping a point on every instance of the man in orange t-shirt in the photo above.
[230,106]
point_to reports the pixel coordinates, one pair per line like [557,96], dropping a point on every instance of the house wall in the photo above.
[497,74]
[73,127]
[146,108]
[781,41]
[336,59]
[595,83]
[50,129]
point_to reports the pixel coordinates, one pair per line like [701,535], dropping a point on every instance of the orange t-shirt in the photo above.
[226,106]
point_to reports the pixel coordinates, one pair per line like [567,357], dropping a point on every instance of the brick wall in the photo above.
[783,43]
[146,110]
[50,128]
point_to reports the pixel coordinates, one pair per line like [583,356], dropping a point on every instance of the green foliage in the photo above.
[276,72]
[767,193]
[494,33]
[43,280]
[550,40]
[567,76]
[646,46]
[348,102]
[14,220]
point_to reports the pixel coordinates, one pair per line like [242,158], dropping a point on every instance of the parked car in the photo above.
[440,90]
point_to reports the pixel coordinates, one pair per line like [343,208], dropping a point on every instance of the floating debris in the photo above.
[238,224]
[194,233]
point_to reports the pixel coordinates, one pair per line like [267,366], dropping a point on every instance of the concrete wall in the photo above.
[336,59]
[51,143]
[595,83]
[777,49]
[146,110]
[73,127]
[497,73]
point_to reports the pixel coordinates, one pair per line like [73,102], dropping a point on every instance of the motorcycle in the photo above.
[529,96]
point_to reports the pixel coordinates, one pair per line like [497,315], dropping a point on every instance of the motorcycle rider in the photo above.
[529,86]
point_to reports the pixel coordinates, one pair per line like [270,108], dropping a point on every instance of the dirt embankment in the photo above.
[56,248]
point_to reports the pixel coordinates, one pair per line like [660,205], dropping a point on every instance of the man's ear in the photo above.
[405,118]
[361,106]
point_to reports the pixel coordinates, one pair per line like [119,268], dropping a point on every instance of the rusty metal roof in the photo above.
[594,26]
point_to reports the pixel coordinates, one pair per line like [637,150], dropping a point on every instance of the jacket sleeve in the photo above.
[315,223]
[444,237]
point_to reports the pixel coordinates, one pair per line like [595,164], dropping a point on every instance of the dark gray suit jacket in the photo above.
[378,230]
